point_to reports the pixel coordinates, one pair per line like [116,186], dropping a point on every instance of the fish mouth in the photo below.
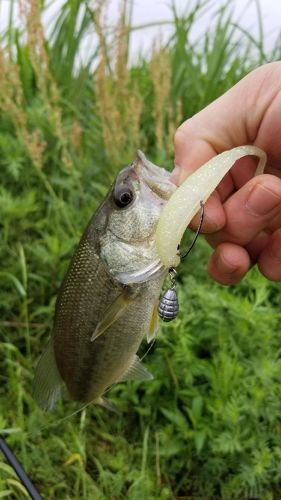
[151,168]
[156,178]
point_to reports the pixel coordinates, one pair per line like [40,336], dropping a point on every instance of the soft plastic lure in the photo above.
[185,201]
[181,208]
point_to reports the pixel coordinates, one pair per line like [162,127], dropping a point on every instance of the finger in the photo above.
[243,170]
[256,246]
[229,263]
[249,211]
[275,223]
[225,187]
[214,216]
[269,262]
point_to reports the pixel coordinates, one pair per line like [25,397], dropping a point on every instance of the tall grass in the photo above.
[208,425]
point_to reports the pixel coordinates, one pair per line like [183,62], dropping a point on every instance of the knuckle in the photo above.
[181,133]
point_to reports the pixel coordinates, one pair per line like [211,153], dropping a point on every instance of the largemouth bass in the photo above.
[108,299]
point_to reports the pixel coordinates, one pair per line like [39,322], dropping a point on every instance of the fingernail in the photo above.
[262,200]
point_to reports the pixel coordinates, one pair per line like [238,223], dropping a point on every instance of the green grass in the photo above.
[208,426]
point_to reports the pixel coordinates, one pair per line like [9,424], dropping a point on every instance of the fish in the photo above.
[108,300]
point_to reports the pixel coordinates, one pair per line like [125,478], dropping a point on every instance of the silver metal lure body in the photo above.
[168,306]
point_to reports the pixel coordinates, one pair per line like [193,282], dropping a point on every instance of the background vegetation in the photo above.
[208,426]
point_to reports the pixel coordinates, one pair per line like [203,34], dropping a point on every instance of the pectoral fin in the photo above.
[136,372]
[112,313]
[154,324]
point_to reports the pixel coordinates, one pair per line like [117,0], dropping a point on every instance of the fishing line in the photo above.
[14,463]
[182,256]
[57,422]
[35,433]
[60,420]
[149,349]
[167,310]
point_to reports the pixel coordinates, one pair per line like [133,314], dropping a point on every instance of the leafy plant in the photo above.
[208,425]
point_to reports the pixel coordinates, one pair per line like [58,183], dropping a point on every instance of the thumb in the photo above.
[191,151]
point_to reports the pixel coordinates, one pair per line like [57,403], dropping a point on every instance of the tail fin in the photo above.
[47,381]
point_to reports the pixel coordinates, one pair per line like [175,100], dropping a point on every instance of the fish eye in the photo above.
[123,196]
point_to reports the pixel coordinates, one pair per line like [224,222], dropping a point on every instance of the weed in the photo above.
[208,425]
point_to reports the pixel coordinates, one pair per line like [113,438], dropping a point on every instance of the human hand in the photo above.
[243,216]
